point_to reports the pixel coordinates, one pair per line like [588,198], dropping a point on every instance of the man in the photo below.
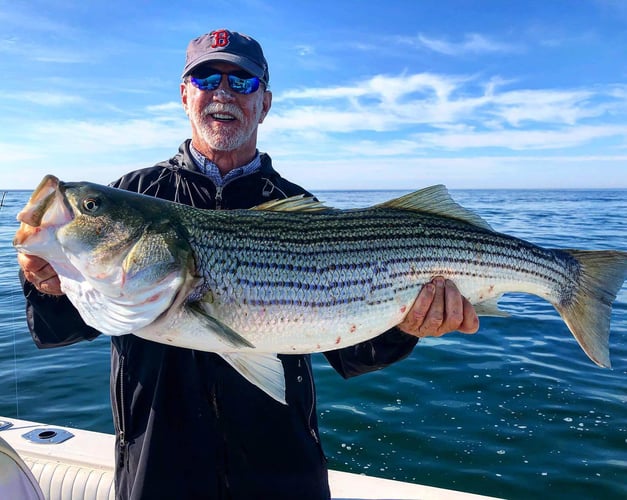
[187,425]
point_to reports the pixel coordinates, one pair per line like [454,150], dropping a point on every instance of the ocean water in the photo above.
[515,411]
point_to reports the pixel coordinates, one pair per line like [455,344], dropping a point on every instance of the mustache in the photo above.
[230,109]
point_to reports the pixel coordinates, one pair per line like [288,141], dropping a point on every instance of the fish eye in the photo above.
[91,204]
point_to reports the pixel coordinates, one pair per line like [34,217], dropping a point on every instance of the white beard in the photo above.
[219,141]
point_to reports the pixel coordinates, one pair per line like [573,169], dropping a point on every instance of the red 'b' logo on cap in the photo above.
[219,38]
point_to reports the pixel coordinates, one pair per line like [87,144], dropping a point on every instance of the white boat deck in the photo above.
[81,468]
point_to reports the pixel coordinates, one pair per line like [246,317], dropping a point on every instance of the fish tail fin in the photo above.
[587,312]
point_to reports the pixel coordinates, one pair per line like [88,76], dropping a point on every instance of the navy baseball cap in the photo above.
[227,46]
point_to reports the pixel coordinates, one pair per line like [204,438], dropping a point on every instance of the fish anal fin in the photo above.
[490,307]
[263,370]
[435,200]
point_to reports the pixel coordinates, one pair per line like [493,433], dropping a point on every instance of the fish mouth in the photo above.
[46,208]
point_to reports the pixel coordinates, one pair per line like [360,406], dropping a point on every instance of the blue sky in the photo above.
[392,94]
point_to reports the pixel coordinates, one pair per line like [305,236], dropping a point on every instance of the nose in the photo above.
[223,92]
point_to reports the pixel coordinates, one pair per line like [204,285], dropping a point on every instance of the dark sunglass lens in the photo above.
[210,82]
[244,85]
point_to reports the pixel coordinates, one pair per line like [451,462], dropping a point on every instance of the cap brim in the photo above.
[242,62]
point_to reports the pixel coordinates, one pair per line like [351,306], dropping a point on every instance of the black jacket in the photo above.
[187,425]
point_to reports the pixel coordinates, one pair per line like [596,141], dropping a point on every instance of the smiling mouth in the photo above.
[222,117]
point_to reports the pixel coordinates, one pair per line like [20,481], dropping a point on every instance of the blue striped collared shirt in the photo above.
[211,170]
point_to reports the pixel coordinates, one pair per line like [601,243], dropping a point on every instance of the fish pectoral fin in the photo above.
[490,307]
[225,332]
[435,200]
[263,370]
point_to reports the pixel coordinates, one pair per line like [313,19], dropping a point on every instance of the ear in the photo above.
[183,89]
[266,105]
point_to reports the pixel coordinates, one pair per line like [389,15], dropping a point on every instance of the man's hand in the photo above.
[439,309]
[40,273]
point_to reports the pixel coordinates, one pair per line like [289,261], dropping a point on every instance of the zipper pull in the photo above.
[122,451]
[218,197]
[267,189]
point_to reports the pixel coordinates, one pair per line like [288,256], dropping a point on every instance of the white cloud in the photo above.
[384,87]
[110,137]
[165,108]
[473,43]
[17,155]
[305,50]
[409,129]
[27,51]
[519,140]
[548,106]
[434,107]
[46,98]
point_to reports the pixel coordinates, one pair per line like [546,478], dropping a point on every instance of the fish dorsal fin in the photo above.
[299,203]
[435,200]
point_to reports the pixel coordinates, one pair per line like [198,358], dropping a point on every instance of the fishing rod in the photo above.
[13,307]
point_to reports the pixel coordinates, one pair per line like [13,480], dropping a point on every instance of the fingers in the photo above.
[435,318]
[416,316]
[470,324]
[453,314]
[440,308]
[40,273]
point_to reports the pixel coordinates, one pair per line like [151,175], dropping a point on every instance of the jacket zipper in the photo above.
[266,191]
[121,405]
[311,409]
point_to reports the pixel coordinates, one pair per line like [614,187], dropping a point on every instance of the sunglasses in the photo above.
[239,82]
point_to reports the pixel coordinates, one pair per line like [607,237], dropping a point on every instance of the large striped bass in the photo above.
[293,276]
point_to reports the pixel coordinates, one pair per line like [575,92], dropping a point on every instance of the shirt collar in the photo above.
[212,171]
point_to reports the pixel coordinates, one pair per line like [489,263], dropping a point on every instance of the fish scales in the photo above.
[430,248]
[292,276]
[275,262]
